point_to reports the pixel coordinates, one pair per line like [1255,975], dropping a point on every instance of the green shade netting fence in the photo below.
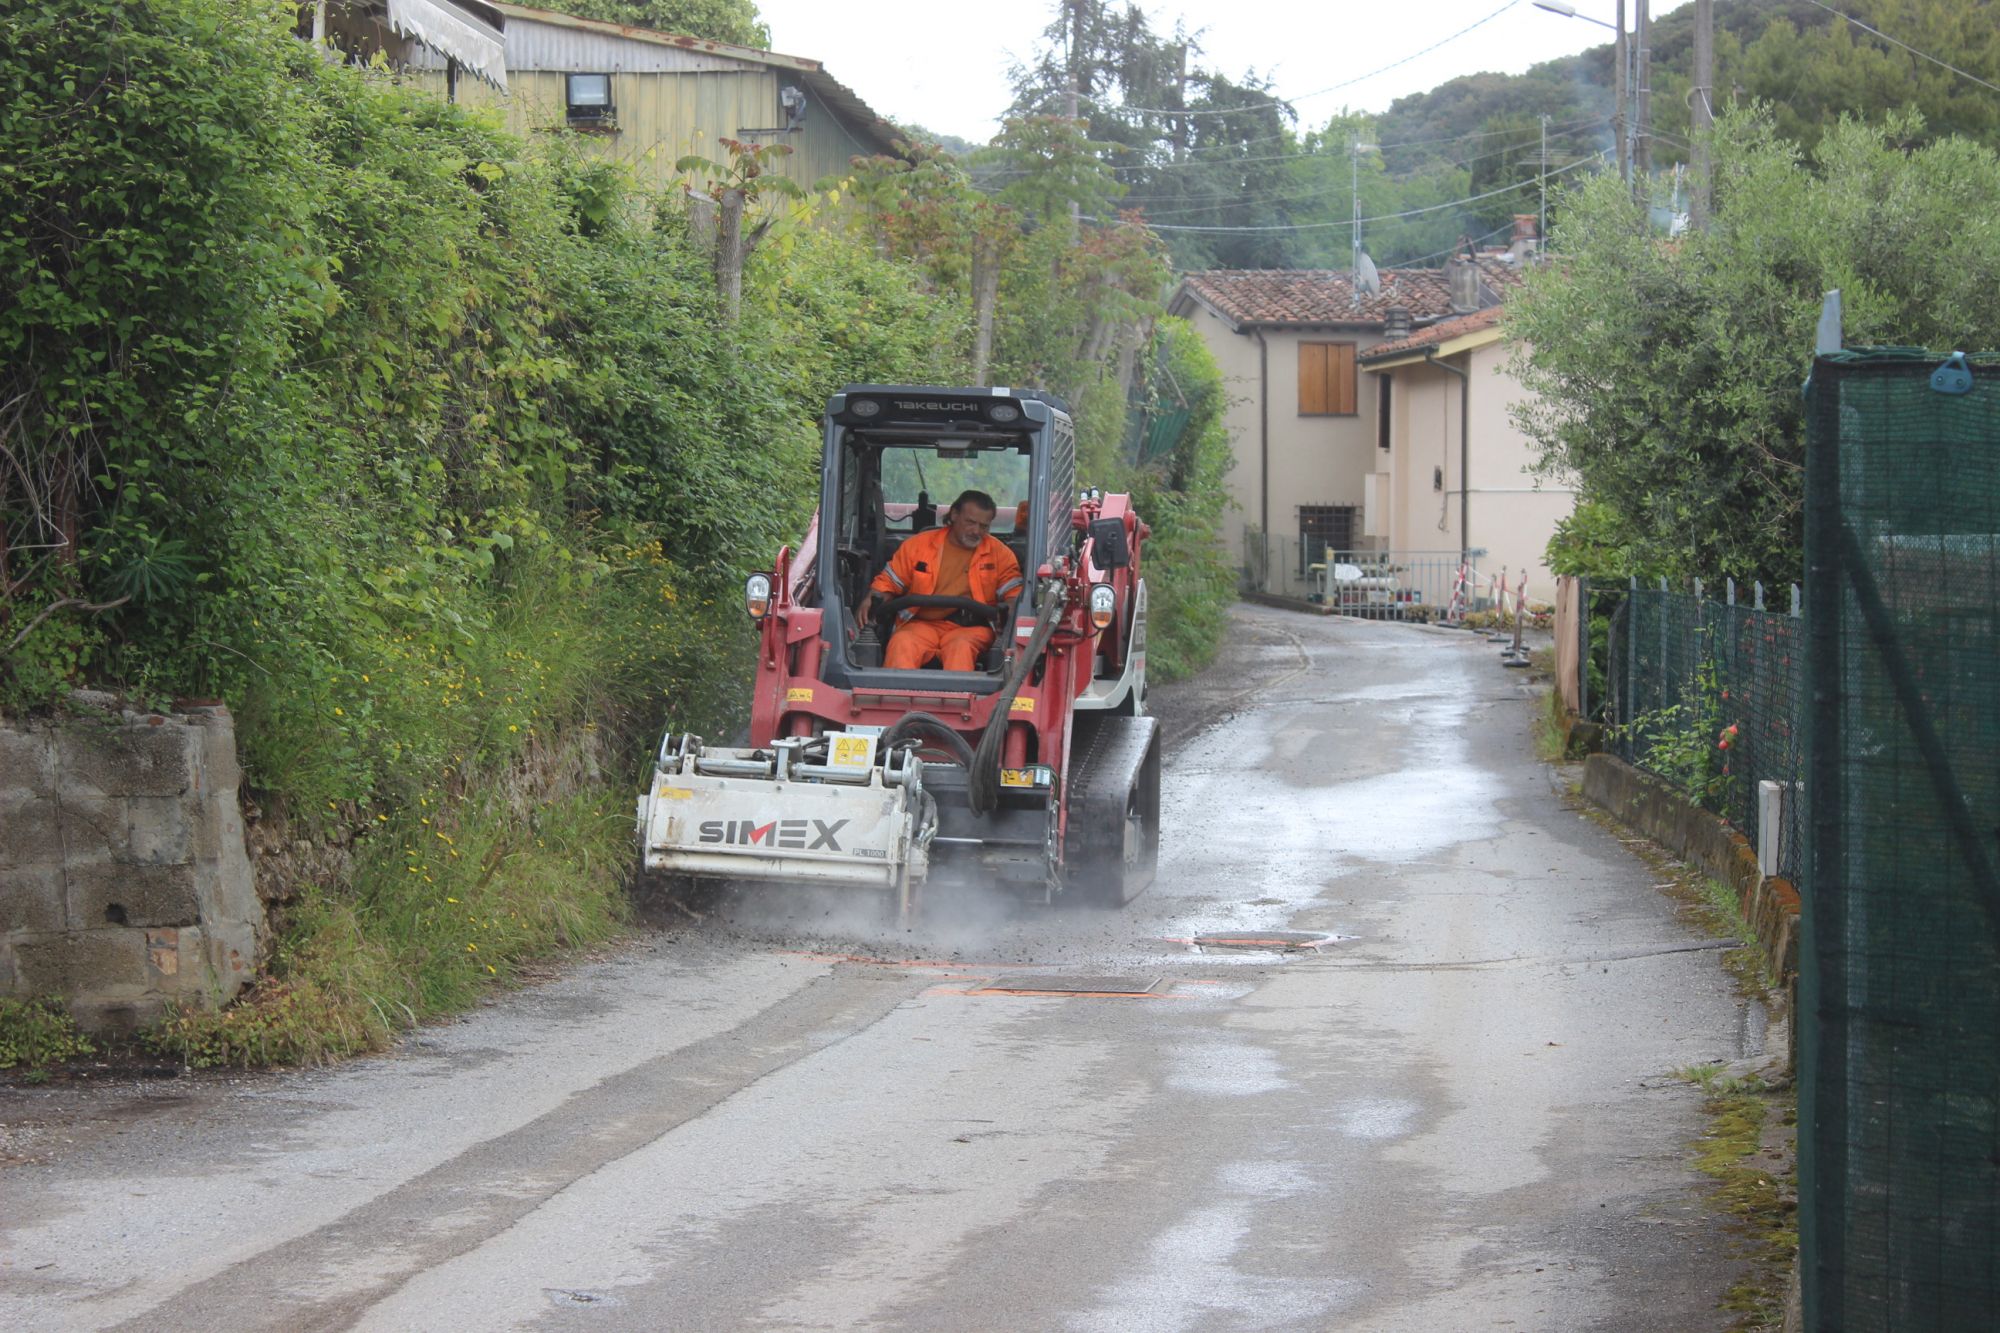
[1900,977]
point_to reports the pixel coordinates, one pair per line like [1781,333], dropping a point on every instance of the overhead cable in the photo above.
[1389,217]
[1322,192]
[1190,163]
[1317,92]
[1453,248]
[1921,55]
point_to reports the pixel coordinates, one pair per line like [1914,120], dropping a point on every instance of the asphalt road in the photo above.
[1453,1110]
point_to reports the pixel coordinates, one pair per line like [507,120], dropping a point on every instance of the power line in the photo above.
[1390,217]
[1317,92]
[1455,247]
[1922,55]
[1341,156]
[1211,206]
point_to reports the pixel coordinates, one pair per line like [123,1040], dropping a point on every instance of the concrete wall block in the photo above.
[215,730]
[32,898]
[229,960]
[8,981]
[108,894]
[137,760]
[226,886]
[93,827]
[27,760]
[160,830]
[30,832]
[107,966]
[218,827]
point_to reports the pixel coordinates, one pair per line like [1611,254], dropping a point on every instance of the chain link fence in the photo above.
[1709,695]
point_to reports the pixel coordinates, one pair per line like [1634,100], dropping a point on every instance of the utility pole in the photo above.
[1542,179]
[1642,156]
[1354,189]
[1071,89]
[1180,103]
[1702,110]
[1621,56]
[1354,193]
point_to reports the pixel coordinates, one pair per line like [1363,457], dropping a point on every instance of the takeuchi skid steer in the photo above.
[1038,770]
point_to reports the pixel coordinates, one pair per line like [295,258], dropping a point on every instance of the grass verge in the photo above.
[447,902]
[1747,1152]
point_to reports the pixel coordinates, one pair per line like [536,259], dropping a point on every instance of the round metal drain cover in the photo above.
[1277,940]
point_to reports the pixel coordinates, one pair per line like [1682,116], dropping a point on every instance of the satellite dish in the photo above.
[1366,279]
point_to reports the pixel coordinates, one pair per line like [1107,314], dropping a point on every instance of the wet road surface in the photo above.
[1443,1102]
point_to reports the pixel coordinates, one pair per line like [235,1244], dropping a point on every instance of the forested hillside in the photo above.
[1233,177]
[432,453]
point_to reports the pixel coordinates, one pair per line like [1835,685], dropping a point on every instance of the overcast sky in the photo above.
[944,65]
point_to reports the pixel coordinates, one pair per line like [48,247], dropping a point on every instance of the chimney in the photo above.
[1396,323]
[1527,240]
[1462,279]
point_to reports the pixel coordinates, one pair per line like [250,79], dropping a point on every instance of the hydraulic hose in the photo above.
[982,788]
[928,724]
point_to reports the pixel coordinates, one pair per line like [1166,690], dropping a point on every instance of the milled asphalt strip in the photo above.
[327,1278]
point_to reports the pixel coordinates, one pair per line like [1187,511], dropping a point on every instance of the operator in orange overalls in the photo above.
[960,559]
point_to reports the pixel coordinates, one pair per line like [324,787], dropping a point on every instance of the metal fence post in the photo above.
[1583,655]
[1625,705]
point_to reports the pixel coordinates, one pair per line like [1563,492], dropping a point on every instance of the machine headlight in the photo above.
[757,595]
[865,407]
[1103,605]
[1002,413]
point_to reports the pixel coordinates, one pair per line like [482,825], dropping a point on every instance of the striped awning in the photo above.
[456,32]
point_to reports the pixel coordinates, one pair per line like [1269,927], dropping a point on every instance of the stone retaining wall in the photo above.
[1647,805]
[124,884]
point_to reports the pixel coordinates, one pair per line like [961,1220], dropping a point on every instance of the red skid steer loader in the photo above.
[1037,770]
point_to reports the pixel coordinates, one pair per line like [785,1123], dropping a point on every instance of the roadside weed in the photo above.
[36,1034]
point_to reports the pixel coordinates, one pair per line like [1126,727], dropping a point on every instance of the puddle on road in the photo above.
[1264,941]
[571,1299]
[1217,1069]
[1072,985]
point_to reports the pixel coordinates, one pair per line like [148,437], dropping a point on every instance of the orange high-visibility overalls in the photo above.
[992,576]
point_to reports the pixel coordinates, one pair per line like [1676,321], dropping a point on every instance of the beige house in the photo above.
[636,96]
[1451,470]
[1306,424]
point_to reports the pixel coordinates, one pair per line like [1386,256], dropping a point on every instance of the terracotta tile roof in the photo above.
[1441,332]
[1326,296]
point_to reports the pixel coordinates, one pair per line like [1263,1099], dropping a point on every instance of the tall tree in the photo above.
[1667,375]
[1191,146]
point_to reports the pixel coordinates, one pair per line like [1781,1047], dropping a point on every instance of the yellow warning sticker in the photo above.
[798,695]
[1024,705]
[667,793]
[852,751]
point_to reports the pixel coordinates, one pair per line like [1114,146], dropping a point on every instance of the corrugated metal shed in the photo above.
[679,95]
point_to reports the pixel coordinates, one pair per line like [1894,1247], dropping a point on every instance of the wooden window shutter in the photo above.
[1326,379]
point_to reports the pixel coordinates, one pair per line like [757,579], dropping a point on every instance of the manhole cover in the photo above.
[1298,940]
[567,1296]
[1061,985]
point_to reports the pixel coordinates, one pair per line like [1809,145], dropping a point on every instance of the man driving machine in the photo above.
[960,559]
